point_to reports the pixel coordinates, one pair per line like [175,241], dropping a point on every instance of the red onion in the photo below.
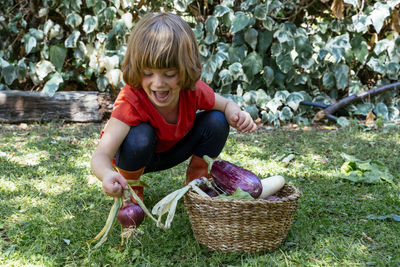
[130,215]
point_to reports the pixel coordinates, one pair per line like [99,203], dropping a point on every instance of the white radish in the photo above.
[271,185]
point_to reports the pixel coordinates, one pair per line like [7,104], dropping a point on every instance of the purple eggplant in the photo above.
[229,177]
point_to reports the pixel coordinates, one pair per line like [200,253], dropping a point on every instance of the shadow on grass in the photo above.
[49,209]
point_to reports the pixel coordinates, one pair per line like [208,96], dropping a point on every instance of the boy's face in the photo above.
[162,86]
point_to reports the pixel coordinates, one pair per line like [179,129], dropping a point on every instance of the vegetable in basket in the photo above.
[271,185]
[229,177]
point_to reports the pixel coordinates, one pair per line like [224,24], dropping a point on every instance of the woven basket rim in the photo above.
[292,197]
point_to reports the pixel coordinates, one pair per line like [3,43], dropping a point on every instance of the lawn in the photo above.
[50,202]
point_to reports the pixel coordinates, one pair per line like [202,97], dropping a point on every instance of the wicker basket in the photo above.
[242,225]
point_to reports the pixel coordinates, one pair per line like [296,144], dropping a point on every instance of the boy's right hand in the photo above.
[113,184]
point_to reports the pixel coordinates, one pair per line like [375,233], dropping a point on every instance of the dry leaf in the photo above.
[395,24]
[370,118]
[369,239]
[319,116]
[337,8]
[374,39]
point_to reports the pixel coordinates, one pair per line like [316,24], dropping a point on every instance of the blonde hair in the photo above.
[160,41]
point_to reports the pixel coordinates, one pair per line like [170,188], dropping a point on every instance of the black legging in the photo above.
[207,137]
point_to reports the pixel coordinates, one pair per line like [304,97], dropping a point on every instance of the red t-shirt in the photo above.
[133,106]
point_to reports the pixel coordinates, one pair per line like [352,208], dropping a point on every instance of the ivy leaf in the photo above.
[9,73]
[127,19]
[268,75]
[284,62]
[52,85]
[274,104]
[102,83]
[109,14]
[198,31]
[394,113]
[211,24]
[90,3]
[354,3]
[240,21]
[90,24]
[260,12]
[393,70]
[76,5]
[362,109]
[359,48]
[111,62]
[377,65]
[43,68]
[328,80]
[382,46]
[342,76]
[338,46]
[209,69]
[72,39]
[73,20]
[262,98]
[343,122]
[381,110]
[225,77]
[282,95]
[360,23]
[210,39]
[21,69]
[250,97]
[220,11]
[116,3]
[252,65]
[283,36]
[99,7]
[237,53]
[56,32]
[252,110]
[264,41]
[114,77]
[236,70]
[286,114]
[250,36]
[30,44]
[58,54]
[294,99]
[38,34]
[181,5]
[220,57]
[378,15]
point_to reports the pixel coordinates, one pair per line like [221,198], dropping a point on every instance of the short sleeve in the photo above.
[205,96]
[123,109]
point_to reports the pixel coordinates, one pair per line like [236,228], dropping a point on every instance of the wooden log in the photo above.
[76,106]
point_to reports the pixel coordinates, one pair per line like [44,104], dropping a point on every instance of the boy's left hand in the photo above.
[242,121]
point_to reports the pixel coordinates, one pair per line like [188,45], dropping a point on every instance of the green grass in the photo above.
[50,203]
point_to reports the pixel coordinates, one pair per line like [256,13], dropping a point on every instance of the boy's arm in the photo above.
[101,161]
[236,117]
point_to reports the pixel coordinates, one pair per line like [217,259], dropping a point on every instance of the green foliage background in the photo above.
[268,56]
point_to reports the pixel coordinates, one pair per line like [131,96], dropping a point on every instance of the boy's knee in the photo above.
[140,140]
[216,120]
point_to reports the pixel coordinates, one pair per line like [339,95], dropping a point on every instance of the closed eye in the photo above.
[170,75]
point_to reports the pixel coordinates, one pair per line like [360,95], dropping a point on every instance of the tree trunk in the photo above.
[77,106]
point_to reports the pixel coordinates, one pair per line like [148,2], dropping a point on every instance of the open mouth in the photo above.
[161,96]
